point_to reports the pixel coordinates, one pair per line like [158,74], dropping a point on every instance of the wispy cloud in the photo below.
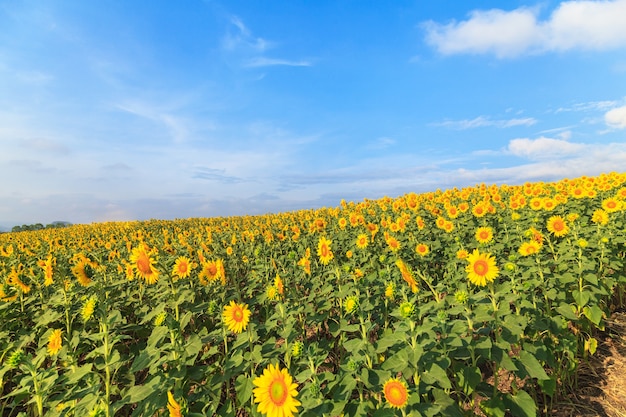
[213,174]
[380,143]
[268,62]
[252,49]
[242,37]
[588,106]
[574,24]
[175,125]
[36,78]
[45,145]
[484,121]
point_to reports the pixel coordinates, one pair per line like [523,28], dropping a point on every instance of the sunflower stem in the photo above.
[38,396]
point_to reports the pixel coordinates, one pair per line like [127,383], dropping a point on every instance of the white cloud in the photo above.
[483,121]
[544,148]
[616,118]
[574,24]
[496,31]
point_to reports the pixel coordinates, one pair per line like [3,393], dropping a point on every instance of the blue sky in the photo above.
[118,110]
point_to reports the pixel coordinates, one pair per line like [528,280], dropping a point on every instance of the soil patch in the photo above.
[601,388]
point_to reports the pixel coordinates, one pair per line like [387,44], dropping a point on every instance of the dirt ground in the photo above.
[602,379]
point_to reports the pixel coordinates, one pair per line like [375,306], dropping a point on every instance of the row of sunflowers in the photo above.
[481,299]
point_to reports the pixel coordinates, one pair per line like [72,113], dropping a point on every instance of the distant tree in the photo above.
[39,226]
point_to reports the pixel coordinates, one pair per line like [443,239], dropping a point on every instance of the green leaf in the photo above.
[581,298]
[384,412]
[244,389]
[532,365]
[78,374]
[139,392]
[591,278]
[493,407]
[548,386]
[141,361]
[397,362]
[593,313]
[591,345]
[521,404]
[353,344]
[568,311]
[157,335]
[184,320]
[193,347]
[436,373]
[469,378]
[389,339]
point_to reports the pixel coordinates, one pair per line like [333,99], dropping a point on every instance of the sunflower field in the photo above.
[483,299]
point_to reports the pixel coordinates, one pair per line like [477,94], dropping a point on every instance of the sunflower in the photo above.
[54,342]
[351,304]
[47,270]
[407,309]
[407,275]
[422,249]
[481,268]
[173,406]
[557,226]
[143,264]
[6,252]
[393,243]
[271,292]
[324,251]
[182,267]
[211,272]
[396,393]
[390,290]
[372,228]
[275,392]
[536,203]
[88,308]
[278,283]
[462,254]
[479,210]
[549,204]
[535,234]
[611,205]
[305,263]
[484,234]
[80,272]
[236,317]
[529,248]
[361,241]
[600,217]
